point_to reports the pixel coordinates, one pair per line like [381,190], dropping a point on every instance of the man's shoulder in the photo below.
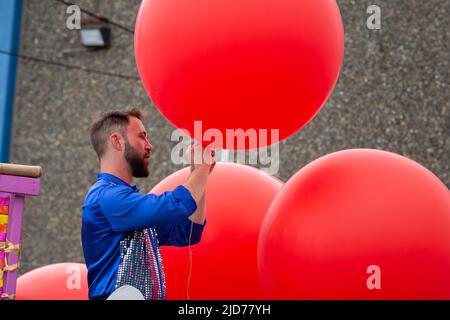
[102,189]
[95,190]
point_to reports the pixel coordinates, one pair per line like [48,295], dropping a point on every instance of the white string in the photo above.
[190,261]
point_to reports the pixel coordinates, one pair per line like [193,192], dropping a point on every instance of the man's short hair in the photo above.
[109,122]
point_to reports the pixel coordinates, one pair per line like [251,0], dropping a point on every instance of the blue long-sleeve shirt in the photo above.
[122,230]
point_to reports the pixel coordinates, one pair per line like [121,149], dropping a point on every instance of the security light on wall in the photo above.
[95,37]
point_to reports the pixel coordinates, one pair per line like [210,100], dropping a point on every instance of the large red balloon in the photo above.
[239,64]
[224,262]
[60,281]
[358,224]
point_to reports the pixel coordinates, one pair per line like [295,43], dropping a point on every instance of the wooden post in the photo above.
[16,181]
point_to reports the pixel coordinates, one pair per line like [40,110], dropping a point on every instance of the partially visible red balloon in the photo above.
[358,224]
[60,281]
[224,262]
[235,64]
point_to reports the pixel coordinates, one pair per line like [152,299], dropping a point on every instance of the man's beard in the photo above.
[135,162]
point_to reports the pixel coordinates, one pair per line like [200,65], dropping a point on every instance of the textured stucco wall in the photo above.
[392,94]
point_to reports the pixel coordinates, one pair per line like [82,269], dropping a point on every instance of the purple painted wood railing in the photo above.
[15,188]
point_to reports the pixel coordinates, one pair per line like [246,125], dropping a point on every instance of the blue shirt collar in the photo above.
[112,178]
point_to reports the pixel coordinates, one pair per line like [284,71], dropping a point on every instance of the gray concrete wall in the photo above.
[392,94]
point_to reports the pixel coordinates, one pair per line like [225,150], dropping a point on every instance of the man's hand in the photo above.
[200,158]
[202,163]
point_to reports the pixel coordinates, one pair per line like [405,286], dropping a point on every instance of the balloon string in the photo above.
[190,261]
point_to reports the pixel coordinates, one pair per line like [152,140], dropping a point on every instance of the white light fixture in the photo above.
[95,37]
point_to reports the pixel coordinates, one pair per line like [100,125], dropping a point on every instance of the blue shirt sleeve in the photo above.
[178,235]
[128,210]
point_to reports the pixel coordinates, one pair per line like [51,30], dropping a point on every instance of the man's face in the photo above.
[137,148]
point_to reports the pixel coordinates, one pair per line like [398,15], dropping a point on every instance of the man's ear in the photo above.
[117,141]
